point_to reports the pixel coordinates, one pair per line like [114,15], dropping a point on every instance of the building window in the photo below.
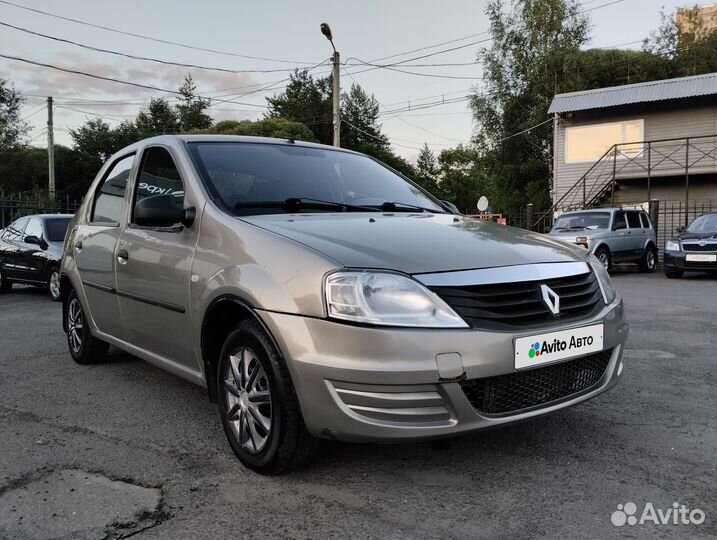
[589,143]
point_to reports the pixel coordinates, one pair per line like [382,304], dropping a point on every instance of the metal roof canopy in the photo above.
[599,98]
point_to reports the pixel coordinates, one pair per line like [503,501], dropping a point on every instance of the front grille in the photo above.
[524,390]
[697,247]
[507,306]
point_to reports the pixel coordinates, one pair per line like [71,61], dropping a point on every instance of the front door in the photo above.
[620,238]
[95,244]
[153,269]
[34,258]
[11,249]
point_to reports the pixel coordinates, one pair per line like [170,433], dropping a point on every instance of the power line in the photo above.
[149,38]
[119,81]
[137,57]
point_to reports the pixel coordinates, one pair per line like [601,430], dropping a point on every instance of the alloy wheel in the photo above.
[248,400]
[604,260]
[75,325]
[650,260]
[55,284]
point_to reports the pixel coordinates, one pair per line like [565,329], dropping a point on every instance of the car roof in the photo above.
[48,216]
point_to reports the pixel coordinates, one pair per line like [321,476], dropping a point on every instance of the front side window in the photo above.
[15,231]
[587,220]
[244,173]
[159,176]
[34,228]
[620,222]
[109,199]
[589,143]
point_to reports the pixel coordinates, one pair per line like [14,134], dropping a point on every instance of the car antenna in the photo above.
[290,141]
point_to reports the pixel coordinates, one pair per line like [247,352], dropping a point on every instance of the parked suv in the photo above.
[694,248]
[317,293]
[612,235]
[31,250]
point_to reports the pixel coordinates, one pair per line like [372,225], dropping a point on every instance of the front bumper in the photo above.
[677,260]
[358,383]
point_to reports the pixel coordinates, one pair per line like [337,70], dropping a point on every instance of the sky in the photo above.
[285,35]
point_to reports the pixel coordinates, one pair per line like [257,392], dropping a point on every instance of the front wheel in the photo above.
[258,404]
[84,347]
[648,261]
[53,285]
[603,255]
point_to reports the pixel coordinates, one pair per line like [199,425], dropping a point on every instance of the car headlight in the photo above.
[672,245]
[387,299]
[604,279]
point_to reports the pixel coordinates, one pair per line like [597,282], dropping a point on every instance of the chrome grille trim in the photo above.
[503,274]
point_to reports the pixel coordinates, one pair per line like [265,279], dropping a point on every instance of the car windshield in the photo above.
[285,178]
[587,220]
[56,229]
[706,223]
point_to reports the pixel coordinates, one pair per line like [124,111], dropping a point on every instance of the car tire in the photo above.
[53,284]
[5,284]
[648,261]
[84,347]
[674,274]
[603,255]
[258,404]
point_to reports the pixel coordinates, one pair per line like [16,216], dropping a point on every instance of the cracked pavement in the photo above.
[132,429]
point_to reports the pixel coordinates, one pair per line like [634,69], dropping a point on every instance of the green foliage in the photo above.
[427,169]
[360,129]
[460,180]
[308,101]
[12,128]
[159,118]
[191,109]
[280,128]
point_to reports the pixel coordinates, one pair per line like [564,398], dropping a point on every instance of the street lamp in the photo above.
[335,85]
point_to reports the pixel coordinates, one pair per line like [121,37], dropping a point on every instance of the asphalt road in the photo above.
[124,449]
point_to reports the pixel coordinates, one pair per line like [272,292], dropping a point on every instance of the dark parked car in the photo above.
[31,251]
[694,248]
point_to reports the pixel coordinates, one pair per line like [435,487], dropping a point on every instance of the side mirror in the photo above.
[32,239]
[452,207]
[161,211]
[679,229]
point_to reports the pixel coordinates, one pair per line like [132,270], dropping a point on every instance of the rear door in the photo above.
[153,269]
[96,243]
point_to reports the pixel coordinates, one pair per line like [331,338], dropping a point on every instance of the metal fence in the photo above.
[16,205]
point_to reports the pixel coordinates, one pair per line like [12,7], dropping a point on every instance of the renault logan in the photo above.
[317,293]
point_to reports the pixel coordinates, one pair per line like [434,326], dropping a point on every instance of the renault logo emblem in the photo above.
[702,243]
[551,299]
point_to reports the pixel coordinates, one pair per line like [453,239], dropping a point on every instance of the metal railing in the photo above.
[680,156]
[16,205]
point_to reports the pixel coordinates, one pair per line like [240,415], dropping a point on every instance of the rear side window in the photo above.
[645,221]
[110,196]
[633,219]
[159,176]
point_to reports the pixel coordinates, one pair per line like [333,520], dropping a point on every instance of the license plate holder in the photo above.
[549,347]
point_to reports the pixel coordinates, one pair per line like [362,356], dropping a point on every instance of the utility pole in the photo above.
[50,150]
[335,85]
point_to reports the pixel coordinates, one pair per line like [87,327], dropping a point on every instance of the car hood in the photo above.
[416,243]
[697,236]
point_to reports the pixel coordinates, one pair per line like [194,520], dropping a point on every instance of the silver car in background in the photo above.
[316,293]
[613,235]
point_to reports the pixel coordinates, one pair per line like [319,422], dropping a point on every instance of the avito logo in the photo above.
[556,345]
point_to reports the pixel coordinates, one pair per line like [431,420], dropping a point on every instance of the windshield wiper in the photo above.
[390,206]
[295,203]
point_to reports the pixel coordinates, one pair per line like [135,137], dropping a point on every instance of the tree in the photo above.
[281,128]
[360,129]
[307,101]
[12,128]
[533,45]
[159,118]
[191,108]
[459,179]
[95,138]
[426,169]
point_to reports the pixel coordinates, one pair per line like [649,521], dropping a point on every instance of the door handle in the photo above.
[78,246]
[122,256]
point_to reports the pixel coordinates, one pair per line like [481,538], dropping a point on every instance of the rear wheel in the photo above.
[258,404]
[53,285]
[5,283]
[648,261]
[673,274]
[603,255]
[84,347]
